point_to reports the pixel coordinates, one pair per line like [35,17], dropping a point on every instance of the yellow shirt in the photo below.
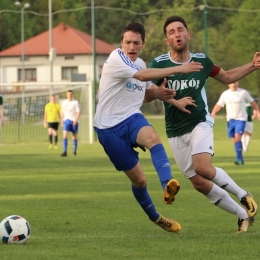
[53,112]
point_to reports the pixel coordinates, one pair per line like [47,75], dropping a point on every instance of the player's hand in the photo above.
[164,93]
[256,60]
[44,124]
[190,67]
[183,102]
[1,122]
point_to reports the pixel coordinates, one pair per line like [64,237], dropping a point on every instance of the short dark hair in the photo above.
[70,91]
[173,19]
[134,27]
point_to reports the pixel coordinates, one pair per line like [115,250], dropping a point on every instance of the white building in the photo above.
[73,61]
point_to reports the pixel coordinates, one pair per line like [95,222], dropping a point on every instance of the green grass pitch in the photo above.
[82,208]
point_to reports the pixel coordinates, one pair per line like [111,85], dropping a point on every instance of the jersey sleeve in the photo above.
[209,67]
[248,97]
[62,106]
[77,106]
[122,66]
[221,102]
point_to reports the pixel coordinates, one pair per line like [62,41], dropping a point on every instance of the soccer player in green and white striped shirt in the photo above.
[190,135]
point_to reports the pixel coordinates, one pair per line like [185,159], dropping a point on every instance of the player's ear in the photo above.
[143,44]
[189,35]
[166,41]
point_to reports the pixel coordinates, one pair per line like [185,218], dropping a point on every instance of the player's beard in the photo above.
[179,49]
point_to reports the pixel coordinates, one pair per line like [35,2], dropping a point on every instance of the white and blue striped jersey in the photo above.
[235,102]
[120,95]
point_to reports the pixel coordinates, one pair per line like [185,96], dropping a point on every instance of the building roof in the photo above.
[66,40]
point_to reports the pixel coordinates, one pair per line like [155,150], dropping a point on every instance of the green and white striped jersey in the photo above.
[186,85]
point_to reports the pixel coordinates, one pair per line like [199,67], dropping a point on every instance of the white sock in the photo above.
[247,140]
[223,180]
[243,140]
[221,199]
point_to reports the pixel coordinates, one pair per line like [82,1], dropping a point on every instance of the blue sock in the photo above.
[161,164]
[145,202]
[75,145]
[65,144]
[238,149]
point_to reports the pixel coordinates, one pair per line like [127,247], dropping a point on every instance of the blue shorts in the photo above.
[69,127]
[120,140]
[236,127]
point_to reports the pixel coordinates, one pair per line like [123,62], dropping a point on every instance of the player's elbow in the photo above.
[140,75]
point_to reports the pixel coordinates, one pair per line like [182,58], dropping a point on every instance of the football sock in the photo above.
[50,138]
[161,164]
[75,145]
[243,140]
[223,180]
[145,202]
[221,199]
[238,149]
[56,139]
[247,140]
[65,144]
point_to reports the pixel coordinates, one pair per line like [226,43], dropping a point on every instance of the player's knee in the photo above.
[139,182]
[153,140]
[201,185]
[203,171]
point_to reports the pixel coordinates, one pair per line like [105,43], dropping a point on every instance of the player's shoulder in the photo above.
[198,55]
[161,58]
[139,62]
[75,101]
[242,90]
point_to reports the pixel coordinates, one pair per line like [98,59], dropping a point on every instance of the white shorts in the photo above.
[249,127]
[200,140]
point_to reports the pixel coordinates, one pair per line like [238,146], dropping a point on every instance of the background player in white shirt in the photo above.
[247,135]
[235,99]
[70,112]
[120,125]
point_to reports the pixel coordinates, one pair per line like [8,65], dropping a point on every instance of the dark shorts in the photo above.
[120,140]
[236,127]
[54,125]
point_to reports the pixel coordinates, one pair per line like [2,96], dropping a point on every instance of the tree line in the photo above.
[228,31]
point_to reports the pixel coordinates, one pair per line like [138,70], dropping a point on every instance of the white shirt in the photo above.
[120,95]
[235,103]
[70,109]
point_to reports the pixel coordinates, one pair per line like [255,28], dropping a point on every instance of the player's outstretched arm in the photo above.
[154,73]
[233,75]
[215,110]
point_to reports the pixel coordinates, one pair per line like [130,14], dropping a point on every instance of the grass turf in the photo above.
[80,207]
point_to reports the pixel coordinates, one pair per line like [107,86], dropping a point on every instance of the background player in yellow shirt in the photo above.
[51,119]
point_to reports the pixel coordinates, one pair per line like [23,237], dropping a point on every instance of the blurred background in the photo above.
[228,31]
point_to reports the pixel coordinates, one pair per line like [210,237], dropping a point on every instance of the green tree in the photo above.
[244,36]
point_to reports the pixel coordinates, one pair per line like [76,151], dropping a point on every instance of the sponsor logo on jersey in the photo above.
[183,84]
[134,86]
